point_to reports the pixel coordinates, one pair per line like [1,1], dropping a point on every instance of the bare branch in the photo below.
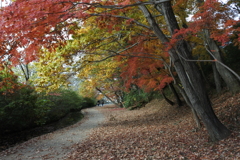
[217,61]
[123,17]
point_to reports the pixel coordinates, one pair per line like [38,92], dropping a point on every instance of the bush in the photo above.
[43,107]
[88,102]
[137,98]
[21,110]
[24,108]
[65,101]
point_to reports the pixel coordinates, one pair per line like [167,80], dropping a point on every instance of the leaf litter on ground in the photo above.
[161,131]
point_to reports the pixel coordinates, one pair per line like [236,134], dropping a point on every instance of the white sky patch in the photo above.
[189,18]
[223,1]
[5,3]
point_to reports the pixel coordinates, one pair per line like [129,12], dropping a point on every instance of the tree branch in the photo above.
[123,17]
[99,5]
[217,61]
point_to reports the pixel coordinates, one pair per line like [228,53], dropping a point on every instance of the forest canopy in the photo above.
[117,47]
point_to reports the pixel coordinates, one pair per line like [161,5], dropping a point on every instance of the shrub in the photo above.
[22,110]
[137,98]
[21,107]
[65,101]
[43,107]
[88,102]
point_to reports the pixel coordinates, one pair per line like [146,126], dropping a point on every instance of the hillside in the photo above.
[160,131]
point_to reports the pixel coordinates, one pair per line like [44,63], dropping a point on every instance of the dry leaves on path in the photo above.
[157,131]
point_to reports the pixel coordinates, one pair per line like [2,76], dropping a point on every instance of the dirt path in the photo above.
[55,145]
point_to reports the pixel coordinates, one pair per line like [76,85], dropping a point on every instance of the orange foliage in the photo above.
[146,73]
[214,17]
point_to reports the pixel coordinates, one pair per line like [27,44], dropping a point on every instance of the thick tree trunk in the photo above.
[231,81]
[195,116]
[189,75]
[217,78]
[191,79]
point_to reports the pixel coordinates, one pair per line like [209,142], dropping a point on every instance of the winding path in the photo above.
[55,145]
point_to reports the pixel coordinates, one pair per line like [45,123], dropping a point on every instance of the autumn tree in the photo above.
[43,23]
[51,73]
[96,70]
[206,25]
[188,72]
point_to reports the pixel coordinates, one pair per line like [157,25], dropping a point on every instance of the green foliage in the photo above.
[88,102]
[20,110]
[137,98]
[43,106]
[25,108]
[65,101]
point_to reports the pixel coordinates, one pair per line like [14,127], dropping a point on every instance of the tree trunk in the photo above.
[189,74]
[119,98]
[25,72]
[107,97]
[168,100]
[231,81]
[192,81]
[217,78]
[195,116]
[179,102]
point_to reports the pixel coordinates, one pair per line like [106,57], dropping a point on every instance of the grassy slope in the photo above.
[160,131]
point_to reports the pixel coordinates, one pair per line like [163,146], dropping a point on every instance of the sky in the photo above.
[4,3]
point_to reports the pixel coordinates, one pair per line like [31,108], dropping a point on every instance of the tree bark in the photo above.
[217,78]
[231,81]
[25,72]
[179,102]
[168,100]
[195,116]
[119,98]
[189,74]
